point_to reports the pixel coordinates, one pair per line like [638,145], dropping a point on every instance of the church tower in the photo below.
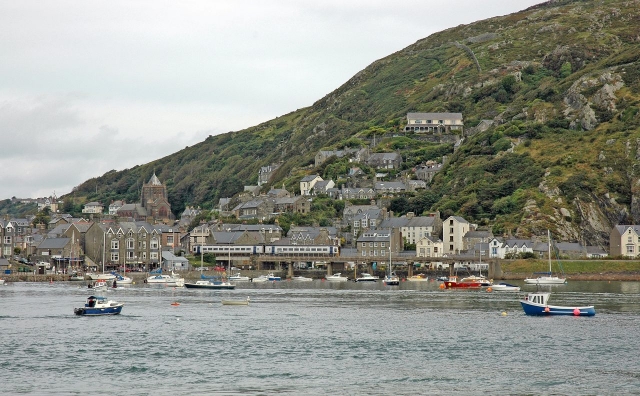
[155,200]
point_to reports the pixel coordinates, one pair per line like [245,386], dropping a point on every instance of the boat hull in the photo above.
[545,281]
[462,285]
[535,309]
[98,311]
[212,286]
[235,302]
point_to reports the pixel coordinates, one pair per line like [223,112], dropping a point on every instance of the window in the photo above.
[131,243]
[154,243]
[7,240]
[630,249]
[115,244]
[382,244]
[451,238]
[435,249]
[170,239]
[115,257]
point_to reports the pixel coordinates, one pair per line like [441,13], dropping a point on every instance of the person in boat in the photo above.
[115,284]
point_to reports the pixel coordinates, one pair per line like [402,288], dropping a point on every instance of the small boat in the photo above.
[484,282]
[210,284]
[76,277]
[336,278]
[418,278]
[236,302]
[454,283]
[301,279]
[96,306]
[546,278]
[94,276]
[259,279]
[504,287]
[538,304]
[365,277]
[2,281]
[272,277]
[100,285]
[168,280]
[391,279]
[239,278]
[122,279]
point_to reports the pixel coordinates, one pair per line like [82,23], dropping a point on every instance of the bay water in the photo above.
[313,338]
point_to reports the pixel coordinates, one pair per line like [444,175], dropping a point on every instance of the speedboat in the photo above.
[418,278]
[76,277]
[239,278]
[96,306]
[301,279]
[210,284]
[391,279]
[504,287]
[336,278]
[546,280]
[538,304]
[260,279]
[365,277]
[168,280]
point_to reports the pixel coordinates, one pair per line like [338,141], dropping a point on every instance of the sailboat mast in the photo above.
[549,237]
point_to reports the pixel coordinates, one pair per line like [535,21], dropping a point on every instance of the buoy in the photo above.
[546,309]
[504,313]
[175,303]
[441,286]
[489,290]
[576,312]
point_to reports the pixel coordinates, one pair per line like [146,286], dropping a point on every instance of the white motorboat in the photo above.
[365,277]
[98,306]
[336,278]
[391,279]
[239,278]
[418,278]
[504,287]
[122,280]
[301,279]
[167,280]
[94,276]
[260,279]
[484,282]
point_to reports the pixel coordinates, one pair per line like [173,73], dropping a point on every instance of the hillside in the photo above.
[560,83]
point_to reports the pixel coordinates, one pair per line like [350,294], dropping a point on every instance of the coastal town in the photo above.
[145,235]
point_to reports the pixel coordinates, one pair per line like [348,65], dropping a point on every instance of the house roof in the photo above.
[54,243]
[441,116]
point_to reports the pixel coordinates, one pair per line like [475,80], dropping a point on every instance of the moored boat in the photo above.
[210,284]
[479,279]
[537,304]
[236,302]
[167,280]
[365,277]
[391,279]
[504,287]
[97,306]
[418,278]
[337,277]
[239,278]
[301,279]
[454,283]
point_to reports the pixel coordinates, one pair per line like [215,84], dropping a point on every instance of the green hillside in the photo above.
[560,83]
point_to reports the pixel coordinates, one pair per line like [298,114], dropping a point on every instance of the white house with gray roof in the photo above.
[434,122]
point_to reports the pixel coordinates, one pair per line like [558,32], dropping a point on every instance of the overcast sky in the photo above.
[91,86]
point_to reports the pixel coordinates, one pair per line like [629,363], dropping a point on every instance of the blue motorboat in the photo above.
[97,306]
[537,304]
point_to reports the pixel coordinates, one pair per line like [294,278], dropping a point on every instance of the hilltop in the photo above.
[550,100]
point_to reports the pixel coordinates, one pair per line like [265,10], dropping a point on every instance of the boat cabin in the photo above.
[538,298]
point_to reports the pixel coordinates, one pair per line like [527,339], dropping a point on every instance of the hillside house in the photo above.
[414,228]
[385,160]
[427,171]
[454,229]
[307,183]
[434,123]
[114,206]
[389,188]
[93,208]
[265,173]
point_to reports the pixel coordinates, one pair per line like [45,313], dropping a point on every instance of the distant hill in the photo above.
[559,83]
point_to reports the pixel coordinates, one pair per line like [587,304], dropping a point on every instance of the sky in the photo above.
[92,86]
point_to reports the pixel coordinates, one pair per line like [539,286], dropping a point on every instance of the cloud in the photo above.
[85,85]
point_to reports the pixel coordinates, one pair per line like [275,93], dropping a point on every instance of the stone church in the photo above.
[155,201]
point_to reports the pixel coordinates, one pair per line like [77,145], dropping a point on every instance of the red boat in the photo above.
[454,283]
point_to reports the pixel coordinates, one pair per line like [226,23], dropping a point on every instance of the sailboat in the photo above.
[390,278]
[546,278]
